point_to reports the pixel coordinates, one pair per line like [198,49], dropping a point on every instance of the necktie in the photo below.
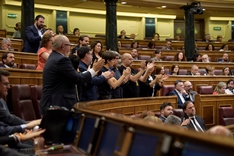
[196,125]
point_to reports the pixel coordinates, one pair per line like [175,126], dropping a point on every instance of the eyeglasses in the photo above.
[67,44]
[6,84]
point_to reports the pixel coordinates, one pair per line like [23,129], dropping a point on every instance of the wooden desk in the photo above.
[212,54]
[23,76]
[16,44]
[129,106]
[3,33]
[22,57]
[186,65]
[197,80]
[207,106]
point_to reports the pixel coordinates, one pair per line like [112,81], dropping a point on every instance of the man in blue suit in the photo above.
[33,35]
[179,92]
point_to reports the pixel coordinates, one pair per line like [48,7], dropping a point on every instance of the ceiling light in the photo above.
[203,9]
[163,6]
[123,3]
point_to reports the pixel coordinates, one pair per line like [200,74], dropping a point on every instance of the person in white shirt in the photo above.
[230,87]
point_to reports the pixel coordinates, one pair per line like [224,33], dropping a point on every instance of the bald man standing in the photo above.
[60,79]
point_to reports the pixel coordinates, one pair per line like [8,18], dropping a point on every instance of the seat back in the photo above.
[22,102]
[144,57]
[182,72]
[168,58]
[167,71]
[178,112]
[202,71]
[205,90]
[28,66]
[166,89]
[36,92]
[218,72]
[226,116]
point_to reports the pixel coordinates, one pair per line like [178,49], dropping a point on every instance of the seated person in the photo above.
[226,71]
[17,33]
[179,92]
[189,93]
[151,45]
[132,36]
[174,69]
[6,44]
[205,58]
[168,46]
[191,120]
[135,44]
[76,32]
[156,37]
[173,120]
[119,45]
[157,55]
[210,47]
[225,58]
[224,47]
[221,131]
[60,30]
[123,35]
[134,54]
[8,60]
[209,71]
[194,71]
[207,38]
[196,57]
[220,88]
[166,109]
[230,87]
[153,119]
[219,38]
[146,113]
[180,57]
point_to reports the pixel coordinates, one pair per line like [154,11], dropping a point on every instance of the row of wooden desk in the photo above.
[214,55]
[18,43]
[34,77]
[30,58]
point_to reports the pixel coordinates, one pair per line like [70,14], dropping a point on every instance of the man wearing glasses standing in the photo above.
[60,79]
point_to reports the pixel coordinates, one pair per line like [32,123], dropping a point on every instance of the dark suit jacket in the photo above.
[59,82]
[89,90]
[179,102]
[9,123]
[32,39]
[200,121]
[8,151]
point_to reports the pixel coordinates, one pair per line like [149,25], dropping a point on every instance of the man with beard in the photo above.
[166,109]
[191,120]
[189,93]
[8,60]
[230,87]
[33,35]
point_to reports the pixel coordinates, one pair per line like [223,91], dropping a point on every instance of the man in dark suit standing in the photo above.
[60,79]
[33,35]
[179,92]
[191,120]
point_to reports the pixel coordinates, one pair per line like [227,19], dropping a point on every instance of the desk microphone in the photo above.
[58,147]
